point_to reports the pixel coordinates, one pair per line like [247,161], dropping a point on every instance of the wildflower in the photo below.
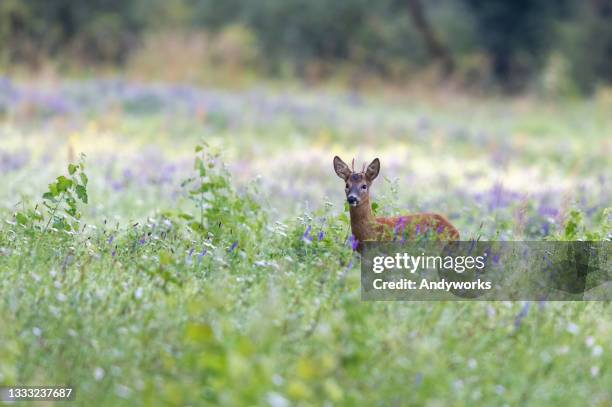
[306,236]
[472,244]
[398,225]
[99,373]
[590,341]
[233,246]
[573,328]
[496,259]
[202,254]
[110,239]
[418,379]
[522,314]
[321,235]
[138,293]
[353,242]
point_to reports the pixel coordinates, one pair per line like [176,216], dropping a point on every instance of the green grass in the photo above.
[168,294]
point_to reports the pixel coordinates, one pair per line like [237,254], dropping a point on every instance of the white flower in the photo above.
[472,364]
[590,341]
[36,331]
[123,391]
[99,373]
[597,351]
[595,371]
[572,328]
[276,400]
[138,293]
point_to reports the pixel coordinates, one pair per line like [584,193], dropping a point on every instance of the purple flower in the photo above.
[548,211]
[110,239]
[440,229]
[233,246]
[353,242]
[399,225]
[202,254]
[472,244]
[522,314]
[142,240]
[307,232]
[418,379]
[321,235]
[418,229]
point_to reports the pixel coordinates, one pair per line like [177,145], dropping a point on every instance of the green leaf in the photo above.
[198,149]
[63,184]
[374,207]
[72,168]
[48,195]
[53,189]
[81,192]
[21,218]
[84,178]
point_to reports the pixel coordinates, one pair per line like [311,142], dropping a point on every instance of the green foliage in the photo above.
[221,215]
[507,32]
[100,30]
[383,37]
[62,210]
[575,228]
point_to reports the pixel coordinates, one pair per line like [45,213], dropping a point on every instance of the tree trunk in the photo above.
[435,47]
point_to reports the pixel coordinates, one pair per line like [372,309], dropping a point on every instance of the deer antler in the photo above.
[363,168]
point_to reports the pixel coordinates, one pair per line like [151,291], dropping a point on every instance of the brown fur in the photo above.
[365,226]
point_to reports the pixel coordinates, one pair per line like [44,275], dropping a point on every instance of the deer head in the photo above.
[358,184]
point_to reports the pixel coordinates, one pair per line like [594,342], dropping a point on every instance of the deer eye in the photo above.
[346,186]
[364,186]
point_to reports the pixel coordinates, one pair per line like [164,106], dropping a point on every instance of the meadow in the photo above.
[196,251]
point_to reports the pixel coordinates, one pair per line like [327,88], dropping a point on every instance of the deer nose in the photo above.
[352,199]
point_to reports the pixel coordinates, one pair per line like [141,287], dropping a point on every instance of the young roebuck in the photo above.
[367,227]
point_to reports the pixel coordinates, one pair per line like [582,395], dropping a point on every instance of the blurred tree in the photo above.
[435,47]
[587,43]
[97,29]
[516,35]
[391,38]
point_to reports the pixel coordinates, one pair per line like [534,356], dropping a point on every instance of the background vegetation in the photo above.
[514,45]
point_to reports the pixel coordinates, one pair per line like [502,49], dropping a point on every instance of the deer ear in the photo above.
[373,169]
[341,168]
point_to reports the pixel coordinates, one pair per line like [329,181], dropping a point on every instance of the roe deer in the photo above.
[363,223]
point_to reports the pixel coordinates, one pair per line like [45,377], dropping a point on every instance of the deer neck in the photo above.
[362,221]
